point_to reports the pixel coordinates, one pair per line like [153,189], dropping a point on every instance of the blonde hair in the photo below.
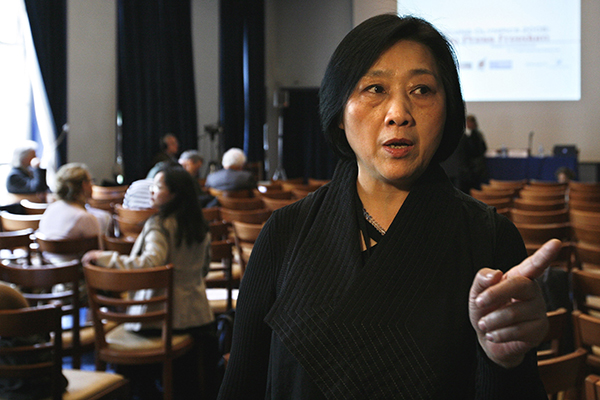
[69,181]
[11,298]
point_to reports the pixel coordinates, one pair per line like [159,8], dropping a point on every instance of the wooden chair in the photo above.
[36,285]
[302,187]
[103,204]
[120,346]
[211,214]
[558,321]
[220,230]
[233,203]
[586,291]
[500,203]
[542,195]
[134,214]
[128,228]
[592,387]
[586,234]
[539,217]
[564,374]
[74,248]
[584,218]
[535,235]
[593,187]
[45,322]
[587,256]
[277,194]
[508,184]
[114,193]
[318,182]
[491,193]
[15,245]
[245,193]
[249,216]
[33,207]
[13,198]
[17,222]
[545,185]
[245,235]
[122,245]
[221,269]
[275,204]
[539,205]
[593,197]
[587,336]
[584,205]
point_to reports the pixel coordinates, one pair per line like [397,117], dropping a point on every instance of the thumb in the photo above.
[484,279]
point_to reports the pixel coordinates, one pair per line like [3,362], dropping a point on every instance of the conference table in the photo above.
[541,168]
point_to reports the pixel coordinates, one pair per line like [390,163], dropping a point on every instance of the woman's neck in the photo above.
[382,202]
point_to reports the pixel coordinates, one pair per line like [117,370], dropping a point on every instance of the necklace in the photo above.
[372,221]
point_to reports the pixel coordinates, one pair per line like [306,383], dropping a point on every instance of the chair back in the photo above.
[563,373]
[222,264]
[508,184]
[219,230]
[587,255]
[128,228]
[541,233]
[586,290]
[584,205]
[245,235]
[593,197]
[586,234]
[122,245]
[542,195]
[557,320]
[43,323]
[251,203]
[244,193]
[76,246]
[12,240]
[113,193]
[539,205]
[17,222]
[38,282]
[539,217]
[249,216]
[134,215]
[277,194]
[33,207]
[108,291]
[584,218]
[211,214]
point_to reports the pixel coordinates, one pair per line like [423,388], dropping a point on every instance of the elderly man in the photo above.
[232,176]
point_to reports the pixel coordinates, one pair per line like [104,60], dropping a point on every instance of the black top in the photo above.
[26,181]
[315,320]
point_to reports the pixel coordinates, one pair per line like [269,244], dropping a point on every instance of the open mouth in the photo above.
[398,144]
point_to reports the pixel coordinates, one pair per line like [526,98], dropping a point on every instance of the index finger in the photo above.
[535,265]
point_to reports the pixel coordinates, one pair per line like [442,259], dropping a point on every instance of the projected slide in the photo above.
[511,50]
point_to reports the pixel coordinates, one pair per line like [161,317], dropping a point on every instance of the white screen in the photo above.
[510,50]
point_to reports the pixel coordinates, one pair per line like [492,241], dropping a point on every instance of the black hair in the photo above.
[185,207]
[360,49]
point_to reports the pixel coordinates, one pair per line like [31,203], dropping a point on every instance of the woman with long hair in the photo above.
[178,234]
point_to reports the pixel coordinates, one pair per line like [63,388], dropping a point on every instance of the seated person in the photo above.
[138,194]
[26,176]
[178,234]
[69,217]
[169,149]
[19,388]
[191,161]
[232,176]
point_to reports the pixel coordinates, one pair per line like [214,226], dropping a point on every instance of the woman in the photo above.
[69,217]
[375,286]
[178,235]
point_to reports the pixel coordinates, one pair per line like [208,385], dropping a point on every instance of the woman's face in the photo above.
[160,193]
[394,118]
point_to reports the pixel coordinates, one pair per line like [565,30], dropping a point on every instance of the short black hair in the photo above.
[360,49]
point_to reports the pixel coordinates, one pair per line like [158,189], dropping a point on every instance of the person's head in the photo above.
[564,174]
[234,158]
[73,183]
[169,144]
[412,42]
[471,122]
[11,298]
[174,193]
[191,161]
[24,153]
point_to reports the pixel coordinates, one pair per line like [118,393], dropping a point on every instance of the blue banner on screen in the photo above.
[511,50]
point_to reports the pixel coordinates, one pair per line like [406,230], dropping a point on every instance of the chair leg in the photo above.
[168,380]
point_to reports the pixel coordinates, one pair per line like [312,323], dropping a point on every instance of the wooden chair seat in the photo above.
[218,299]
[120,341]
[122,245]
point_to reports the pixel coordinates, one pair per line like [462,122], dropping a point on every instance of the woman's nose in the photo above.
[398,112]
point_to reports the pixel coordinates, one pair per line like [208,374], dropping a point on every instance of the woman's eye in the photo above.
[422,90]
[375,89]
